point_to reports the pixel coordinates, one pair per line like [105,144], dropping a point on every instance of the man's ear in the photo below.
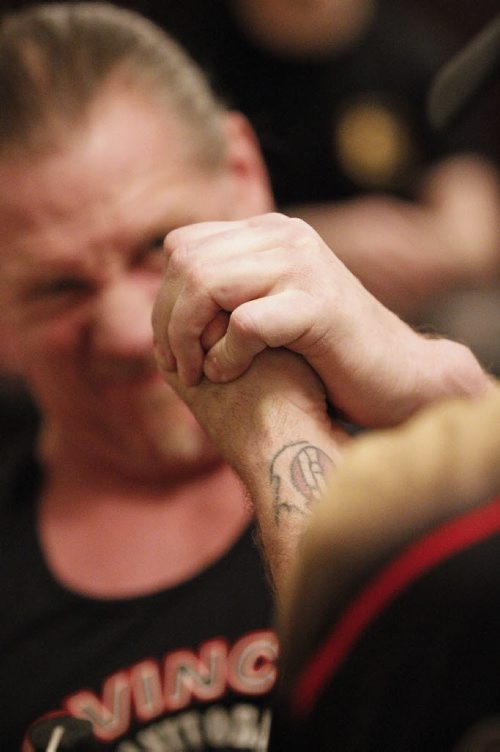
[252,186]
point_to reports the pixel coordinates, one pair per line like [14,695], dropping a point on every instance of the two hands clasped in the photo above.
[233,289]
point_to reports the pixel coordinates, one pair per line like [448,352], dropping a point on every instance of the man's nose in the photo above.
[122,320]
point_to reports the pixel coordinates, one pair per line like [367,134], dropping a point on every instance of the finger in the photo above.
[200,230]
[209,241]
[189,318]
[193,233]
[220,271]
[159,320]
[215,330]
[208,323]
[231,357]
[210,289]
[164,358]
[280,320]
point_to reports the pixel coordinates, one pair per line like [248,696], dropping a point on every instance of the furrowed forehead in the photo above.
[115,182]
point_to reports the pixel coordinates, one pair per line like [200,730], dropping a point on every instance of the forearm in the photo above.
[285,477]
[272,427]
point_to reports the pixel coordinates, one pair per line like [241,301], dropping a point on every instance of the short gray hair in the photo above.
[56,58]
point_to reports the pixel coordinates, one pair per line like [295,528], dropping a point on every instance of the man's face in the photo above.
[80,264]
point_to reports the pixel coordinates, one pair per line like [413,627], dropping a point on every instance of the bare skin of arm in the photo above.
[271,425]
[252,287]
[231,289]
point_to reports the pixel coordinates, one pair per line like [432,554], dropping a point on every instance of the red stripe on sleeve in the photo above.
[451,537]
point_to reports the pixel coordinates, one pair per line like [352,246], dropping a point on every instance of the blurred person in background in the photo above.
[335,91]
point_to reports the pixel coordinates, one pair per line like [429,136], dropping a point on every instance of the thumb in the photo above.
[231,356]
[233,353]
[279,320]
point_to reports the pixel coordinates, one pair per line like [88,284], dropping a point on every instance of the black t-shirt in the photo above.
[187,668]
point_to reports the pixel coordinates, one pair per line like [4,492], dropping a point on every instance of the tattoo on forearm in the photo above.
[297,475]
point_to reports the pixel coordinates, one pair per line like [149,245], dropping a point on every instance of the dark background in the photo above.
[457,20]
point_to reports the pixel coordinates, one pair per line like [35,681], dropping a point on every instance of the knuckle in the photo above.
[269,218]
[177,257]
[174,240]
[243,323]
[186,271]
[303,230]
[193,279]
[277,216]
